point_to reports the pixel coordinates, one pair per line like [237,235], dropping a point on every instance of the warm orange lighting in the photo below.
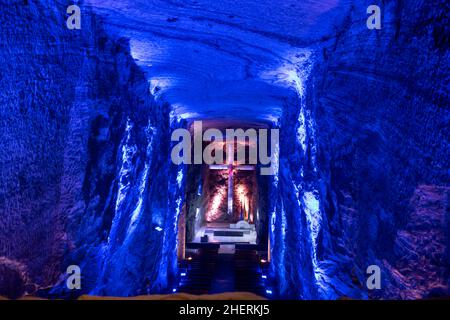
[244,202]
[189,258]
[263,260]
[214,211]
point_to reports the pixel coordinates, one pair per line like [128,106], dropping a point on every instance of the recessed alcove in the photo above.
[87,178]
[224,199]
[226,214]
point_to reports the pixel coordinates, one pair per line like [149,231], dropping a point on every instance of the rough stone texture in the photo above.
[13,279]
[420,267]
[194,200]
[381,103]
[220,59]
[371,124]
[68,97]
[364,157]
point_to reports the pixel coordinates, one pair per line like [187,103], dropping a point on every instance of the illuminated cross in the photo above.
[230,167]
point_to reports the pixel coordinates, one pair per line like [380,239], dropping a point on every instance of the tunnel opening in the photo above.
[224,232]
[87,178]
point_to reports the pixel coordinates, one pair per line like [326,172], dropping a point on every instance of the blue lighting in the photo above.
[180,177]
[183,274]
[268,291]
[174,290]
[263,276]
[158,228]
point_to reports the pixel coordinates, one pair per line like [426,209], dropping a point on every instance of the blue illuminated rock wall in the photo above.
[303,256]
[382,115]
[139,256]
[86,173]
[378,101]
[86,177]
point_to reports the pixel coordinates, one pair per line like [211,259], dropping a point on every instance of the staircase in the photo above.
[208,271]
[248,272]
[196,273]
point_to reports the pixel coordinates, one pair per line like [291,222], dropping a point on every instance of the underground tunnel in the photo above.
[318,170]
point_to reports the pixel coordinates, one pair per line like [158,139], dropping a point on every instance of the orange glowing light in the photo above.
[244,201]
[216,203]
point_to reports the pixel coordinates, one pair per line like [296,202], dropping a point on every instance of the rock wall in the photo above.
[80,136]
[370,125]
[381,106]
[362,177]
[304,260]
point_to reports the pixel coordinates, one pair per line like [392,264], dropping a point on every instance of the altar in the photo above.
[227,233]
[223,207]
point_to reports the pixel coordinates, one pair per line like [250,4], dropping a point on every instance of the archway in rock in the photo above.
[225,200]
[224,231]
